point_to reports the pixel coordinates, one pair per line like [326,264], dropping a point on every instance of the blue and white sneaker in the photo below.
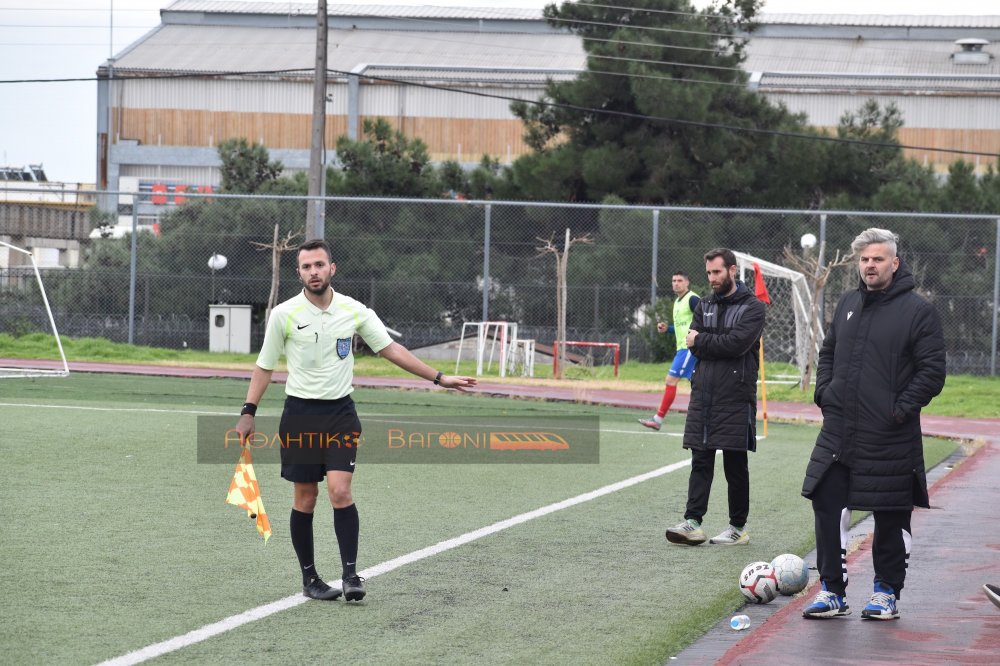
[882,605]
[827,604]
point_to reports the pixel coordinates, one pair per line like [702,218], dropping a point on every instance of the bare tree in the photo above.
[816,274]
[277,249]
[562,261]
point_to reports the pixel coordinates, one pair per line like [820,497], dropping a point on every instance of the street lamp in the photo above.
[216,262]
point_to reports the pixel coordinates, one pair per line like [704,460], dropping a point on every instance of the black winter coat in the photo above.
[882,360]
[722,413]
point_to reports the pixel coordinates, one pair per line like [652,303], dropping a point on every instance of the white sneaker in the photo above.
[689,533]
[993,592]
[653,424]
[732,536]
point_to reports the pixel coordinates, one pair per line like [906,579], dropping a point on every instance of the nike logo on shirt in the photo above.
[302,326]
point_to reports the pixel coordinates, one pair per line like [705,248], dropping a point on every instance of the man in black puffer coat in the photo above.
[883,359]
[722,413]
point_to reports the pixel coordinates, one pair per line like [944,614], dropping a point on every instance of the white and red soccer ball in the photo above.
[758,582]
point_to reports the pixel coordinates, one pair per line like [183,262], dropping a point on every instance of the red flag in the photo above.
[759,288]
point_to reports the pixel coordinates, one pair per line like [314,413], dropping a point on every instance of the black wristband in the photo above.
[249,408]
[437,380]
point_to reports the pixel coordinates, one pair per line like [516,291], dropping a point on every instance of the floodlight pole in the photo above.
[316,208]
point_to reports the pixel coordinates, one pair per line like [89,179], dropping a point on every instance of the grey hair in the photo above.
[875,235]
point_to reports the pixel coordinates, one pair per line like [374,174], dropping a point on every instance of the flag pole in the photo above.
[763,385]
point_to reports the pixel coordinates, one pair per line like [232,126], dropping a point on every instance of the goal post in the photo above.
[25,369]
[789,317]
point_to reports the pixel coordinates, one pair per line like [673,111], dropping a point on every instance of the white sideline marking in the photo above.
[260,612]
[376,417]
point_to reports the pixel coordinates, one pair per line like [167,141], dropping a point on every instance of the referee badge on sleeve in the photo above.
[343,347]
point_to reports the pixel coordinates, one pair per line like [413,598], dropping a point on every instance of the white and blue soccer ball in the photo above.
[758,582]
[791,572]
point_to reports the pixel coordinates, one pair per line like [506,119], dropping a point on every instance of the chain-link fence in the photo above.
[424,265]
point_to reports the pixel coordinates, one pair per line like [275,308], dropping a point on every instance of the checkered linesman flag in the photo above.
[244,492]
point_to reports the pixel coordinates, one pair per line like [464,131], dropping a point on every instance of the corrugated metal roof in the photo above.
[250,49]
[846,56]
[534,14]
[335,9]
[886,20]
[478,76]
[910,85]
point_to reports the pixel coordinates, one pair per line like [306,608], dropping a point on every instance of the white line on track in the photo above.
[260,612]
[88,408]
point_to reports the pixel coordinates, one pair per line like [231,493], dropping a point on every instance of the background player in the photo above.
[684,360]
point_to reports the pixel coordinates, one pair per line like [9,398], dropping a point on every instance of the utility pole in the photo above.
[316,208]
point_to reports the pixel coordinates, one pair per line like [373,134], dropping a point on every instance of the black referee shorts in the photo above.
[318,436]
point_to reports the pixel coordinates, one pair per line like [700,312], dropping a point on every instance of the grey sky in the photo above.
[54,123]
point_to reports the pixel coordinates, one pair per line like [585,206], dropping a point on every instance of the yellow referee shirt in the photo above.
[317,344]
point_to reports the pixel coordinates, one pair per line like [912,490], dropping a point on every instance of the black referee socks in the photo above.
[346,527]
[301,529]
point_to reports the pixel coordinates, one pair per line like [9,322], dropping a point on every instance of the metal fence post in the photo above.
[486,261]
[656,247]
[132,281]
[996,301]
[821,296]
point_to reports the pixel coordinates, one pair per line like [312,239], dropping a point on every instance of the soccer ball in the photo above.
[791,572]
[758,583]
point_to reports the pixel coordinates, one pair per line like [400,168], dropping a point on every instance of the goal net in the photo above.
[494,339]
[592,360]
[789,317]
[26,310]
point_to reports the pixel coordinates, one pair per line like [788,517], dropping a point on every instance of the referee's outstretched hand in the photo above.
[462,384]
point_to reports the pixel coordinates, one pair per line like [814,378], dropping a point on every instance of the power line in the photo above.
[555,105]
[72,9]
[677,121]
[73,27]
[718,17]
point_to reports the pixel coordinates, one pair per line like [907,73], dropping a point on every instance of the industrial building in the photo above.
[216,70]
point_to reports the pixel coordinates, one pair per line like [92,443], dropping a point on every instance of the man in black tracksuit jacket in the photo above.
[882,360]
[722,414]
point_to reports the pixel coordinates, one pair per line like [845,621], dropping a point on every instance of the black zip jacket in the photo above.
[882,360]
[722,413]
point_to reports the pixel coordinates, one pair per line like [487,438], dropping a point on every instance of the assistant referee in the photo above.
[315,330]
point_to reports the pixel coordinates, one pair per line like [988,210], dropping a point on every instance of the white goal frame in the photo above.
[504,334]
[38,372]
[801,303]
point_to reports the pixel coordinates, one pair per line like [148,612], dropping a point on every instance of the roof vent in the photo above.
[972,52]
